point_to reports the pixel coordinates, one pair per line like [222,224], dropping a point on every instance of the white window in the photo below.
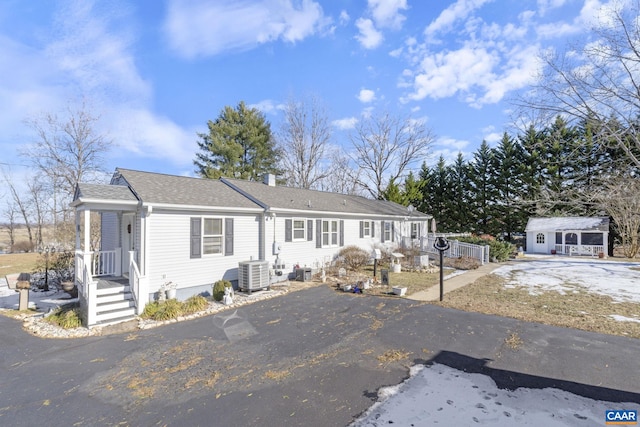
[415,230]
[387,231]
[539,238]
[212,236]
[299,229]
[329,233]
[366,229]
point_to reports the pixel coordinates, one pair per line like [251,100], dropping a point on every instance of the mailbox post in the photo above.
[377,254]
[441,244]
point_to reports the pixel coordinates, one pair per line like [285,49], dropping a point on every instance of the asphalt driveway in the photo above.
[313,357]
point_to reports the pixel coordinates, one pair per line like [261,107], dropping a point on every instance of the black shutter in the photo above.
[309,230]
[196,235]
[341,232]
[373,229]
[361,229]
[288,230]
[381,231]
[393,231]
[228,236]
[318,233]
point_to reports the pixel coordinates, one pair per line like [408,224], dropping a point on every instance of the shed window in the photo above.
[540,238]
[592,238]
[571,239]
[415,230]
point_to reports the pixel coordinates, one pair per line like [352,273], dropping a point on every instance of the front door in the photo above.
[128,240]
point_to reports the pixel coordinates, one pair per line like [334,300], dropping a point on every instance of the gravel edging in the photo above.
[38,326]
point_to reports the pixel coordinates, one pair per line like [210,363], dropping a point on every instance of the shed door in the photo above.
[540,243]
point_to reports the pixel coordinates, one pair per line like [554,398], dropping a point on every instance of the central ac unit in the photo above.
[253,275]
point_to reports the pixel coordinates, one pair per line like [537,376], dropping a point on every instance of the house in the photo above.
[158,228]
[568,235]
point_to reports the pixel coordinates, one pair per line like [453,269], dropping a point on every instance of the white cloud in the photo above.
[369,37]
[443,74]
[92,55]
[142,133]
[202,28]
[344,17]
[386,13]
[366,96]
[458,11]
[346,123]
[267,106]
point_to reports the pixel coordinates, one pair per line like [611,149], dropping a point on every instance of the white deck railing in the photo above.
[136,284]
[589,250]
[457,249]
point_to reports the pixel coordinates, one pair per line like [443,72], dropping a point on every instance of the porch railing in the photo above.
[136,284]
[106,263]
[589,250]
[87,287]
[458,249]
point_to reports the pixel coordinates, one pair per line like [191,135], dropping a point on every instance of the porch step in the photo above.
[110,290]
[111,315]
[121,296]
[103,306]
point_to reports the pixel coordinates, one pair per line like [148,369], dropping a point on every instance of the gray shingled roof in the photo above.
[104,192]
[179,190]
[278,197]
[568,223]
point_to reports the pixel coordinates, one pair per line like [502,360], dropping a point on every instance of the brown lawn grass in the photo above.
[580,310]
[18,263]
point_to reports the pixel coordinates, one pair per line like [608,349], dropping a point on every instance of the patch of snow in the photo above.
[441,395]
[570,275]
[623,318]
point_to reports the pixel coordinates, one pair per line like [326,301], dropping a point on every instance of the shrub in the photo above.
[218,289]
[170,309]
[194,303]
[354,257]
[66,317]
[150,310]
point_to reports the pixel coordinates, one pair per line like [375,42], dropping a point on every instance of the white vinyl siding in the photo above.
[170,253]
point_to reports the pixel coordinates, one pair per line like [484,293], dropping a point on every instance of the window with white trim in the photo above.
[366,229]
[387,231]
[212,236]
[330,233]
[415,230]
[539,238]
[299,229]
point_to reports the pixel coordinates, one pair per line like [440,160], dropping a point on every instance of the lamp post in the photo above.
[47,250]
[441,244]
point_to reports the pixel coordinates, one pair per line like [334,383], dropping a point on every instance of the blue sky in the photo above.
[157,71]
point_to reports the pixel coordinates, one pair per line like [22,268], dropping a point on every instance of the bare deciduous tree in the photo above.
[303,141]
[598,83]
[67,149]
[621,200]
[341,178]
[21,205]
[385,147]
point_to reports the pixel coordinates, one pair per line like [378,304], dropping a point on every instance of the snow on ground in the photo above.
[43,301]
[565,275]
[441,395]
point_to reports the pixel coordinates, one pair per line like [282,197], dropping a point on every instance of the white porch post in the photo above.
[87,230]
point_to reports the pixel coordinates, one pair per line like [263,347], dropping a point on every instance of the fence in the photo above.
[457,249]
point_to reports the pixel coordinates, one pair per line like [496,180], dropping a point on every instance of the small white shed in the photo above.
[568,235]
